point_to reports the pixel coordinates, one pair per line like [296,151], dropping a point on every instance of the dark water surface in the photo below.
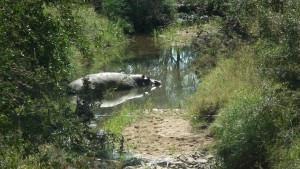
[172,65]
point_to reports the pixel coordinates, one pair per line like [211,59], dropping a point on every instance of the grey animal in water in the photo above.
[113,81]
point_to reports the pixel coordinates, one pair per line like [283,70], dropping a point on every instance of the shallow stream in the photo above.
[171,65]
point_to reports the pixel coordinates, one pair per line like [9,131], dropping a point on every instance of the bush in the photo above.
[96,40]
[144,15]
[35,42]
[258,121]
[231,79]
[34,62]
[276,25]
[241,130]
[249,131]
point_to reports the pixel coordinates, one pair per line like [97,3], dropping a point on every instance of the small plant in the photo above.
[134,145]
[172,150]
[119,120]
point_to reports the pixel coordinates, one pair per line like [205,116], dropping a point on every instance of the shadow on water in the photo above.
[170,65]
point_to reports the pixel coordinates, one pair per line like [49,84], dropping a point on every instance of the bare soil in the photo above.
[165,134]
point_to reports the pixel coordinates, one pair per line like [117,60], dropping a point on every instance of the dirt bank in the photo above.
[164,134]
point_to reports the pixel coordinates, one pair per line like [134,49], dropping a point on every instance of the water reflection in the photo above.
[170,65]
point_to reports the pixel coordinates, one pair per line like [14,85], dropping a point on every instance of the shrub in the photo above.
[240,133]
[258,121]
[275,24]
[96,40]
[34,62]
[144,15]
[249,131]
[231,79]
[34,111]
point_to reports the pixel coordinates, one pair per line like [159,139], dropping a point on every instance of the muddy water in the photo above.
[171,65]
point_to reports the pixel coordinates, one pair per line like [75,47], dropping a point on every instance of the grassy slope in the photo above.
[231,80]
[248,113]
[105,39]
[100,40]
[252,115]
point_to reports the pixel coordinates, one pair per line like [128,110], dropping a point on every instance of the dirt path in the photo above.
[164,134]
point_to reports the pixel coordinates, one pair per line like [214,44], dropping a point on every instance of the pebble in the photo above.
[196,160]
[209,157]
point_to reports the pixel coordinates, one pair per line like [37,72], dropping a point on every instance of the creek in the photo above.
[171,65]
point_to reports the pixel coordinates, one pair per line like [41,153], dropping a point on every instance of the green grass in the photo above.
[101,40]
[253,119]
[106,40]
[125,116]
[120,120]
[48,156]
[249,90]
[180,34]
[231,80]
[258,131]
[286,156]
[172,150]
[176,35]
[239,134]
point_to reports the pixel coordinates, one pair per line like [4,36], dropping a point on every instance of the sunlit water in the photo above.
[172,66]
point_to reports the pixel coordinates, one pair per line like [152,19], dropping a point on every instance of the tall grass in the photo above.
[231,80]
[121,119]
[238,130]
[258,132]
[286,156]
[106,40]
[251,99]
[48,156]
[100,40]
[255,120]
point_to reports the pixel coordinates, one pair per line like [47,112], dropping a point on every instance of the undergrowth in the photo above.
[105,39]
[45,44]
[99,41]
[232,79]
[254,119]
[250,94]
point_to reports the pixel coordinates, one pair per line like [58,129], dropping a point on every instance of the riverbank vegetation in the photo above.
[98,40]
[44,44]
[249,96]
[141,16]
[249,69]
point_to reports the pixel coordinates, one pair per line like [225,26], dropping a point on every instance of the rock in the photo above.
[129,167]
[202,161]
[132,162]
[209,157]
[178,164]
[182,158]
[158,167]
[162,163]
[196,160]
[191,160]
